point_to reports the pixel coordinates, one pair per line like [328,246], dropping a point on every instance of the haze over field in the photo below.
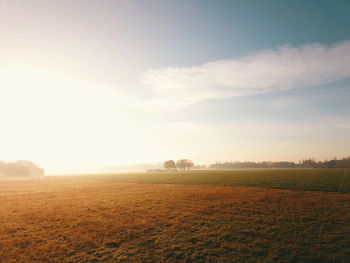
[108,83]
[189,131]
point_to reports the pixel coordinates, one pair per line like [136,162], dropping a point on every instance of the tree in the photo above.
[184,163]
[189,164]
[181,164]
[20,169]
[170,165]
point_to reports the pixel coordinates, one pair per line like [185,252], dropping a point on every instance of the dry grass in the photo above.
[79,220]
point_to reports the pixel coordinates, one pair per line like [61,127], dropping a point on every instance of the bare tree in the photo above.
[180,164]
[184,163]
[170,165]
[189,164]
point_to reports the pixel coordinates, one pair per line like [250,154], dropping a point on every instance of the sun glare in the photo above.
[52,119]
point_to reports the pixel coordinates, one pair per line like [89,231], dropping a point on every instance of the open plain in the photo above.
[88,219]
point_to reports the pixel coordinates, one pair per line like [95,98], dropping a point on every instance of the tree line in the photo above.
[182,164]
[20,169]
[307,163]
[186,164]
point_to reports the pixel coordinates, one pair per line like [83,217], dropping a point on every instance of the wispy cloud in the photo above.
[284,68]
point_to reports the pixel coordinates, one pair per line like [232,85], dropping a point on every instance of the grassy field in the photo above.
[98,219]
[330,180]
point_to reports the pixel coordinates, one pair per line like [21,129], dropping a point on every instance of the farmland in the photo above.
[329,180]
[213,216]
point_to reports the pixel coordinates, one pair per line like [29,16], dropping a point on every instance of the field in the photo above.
[215,216]
[329,180]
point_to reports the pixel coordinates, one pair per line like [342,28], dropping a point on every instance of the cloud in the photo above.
[284,68]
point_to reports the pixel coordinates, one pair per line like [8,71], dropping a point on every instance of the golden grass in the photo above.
[79,220]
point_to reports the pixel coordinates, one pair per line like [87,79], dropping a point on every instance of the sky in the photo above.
[107,83]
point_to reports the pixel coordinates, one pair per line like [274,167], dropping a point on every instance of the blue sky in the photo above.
[100,83]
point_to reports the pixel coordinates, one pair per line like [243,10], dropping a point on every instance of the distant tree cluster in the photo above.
[307,163]
[335,163]
[20,169]
[251,165]
[182,164]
